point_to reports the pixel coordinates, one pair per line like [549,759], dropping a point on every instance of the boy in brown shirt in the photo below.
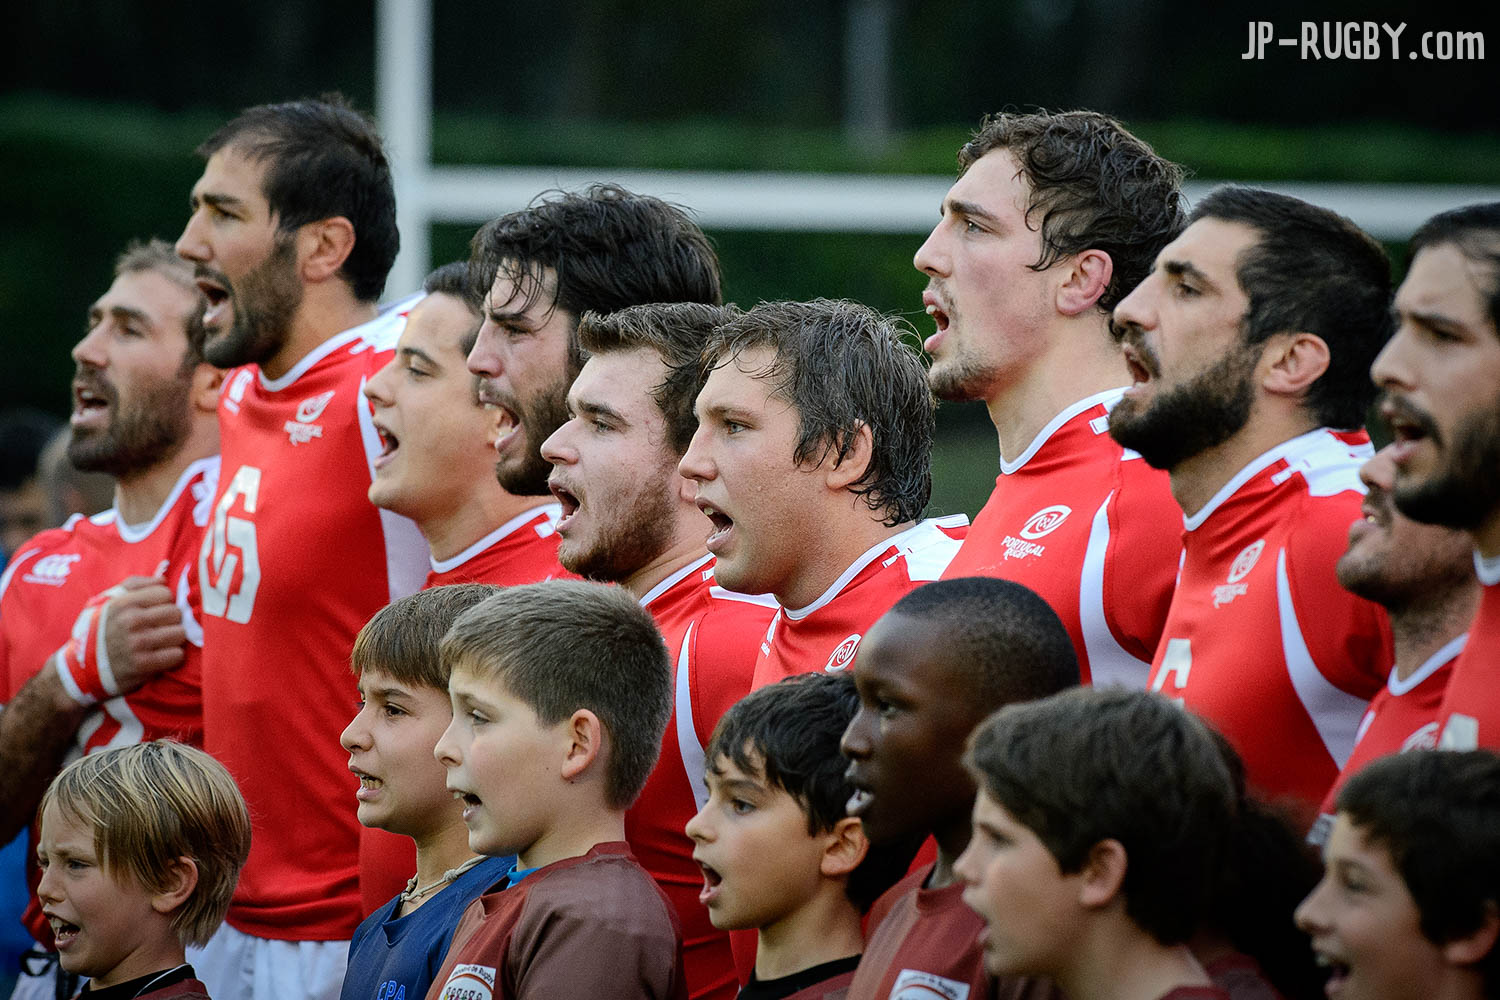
[561,692]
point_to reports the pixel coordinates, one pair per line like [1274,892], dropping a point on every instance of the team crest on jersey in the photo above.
[303,430]
[1425,738]
[1238,570]
[52,570]
[235,394]
[1038,525]
[469,982]
[843,654]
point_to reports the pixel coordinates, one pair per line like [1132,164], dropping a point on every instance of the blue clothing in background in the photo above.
[395,958]
[14,941]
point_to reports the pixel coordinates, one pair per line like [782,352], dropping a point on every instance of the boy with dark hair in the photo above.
[1098,831]
[812,461]
[778,853]
[140,850]
[1409,906]
[944,657]
[404,708]
[561,692]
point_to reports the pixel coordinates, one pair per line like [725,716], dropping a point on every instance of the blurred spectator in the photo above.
[23,501]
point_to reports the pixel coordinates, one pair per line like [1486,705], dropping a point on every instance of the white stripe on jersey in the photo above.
[1336,714]
[207,467]
[14,566]
[1109,397]
[694,758]
[1109,663]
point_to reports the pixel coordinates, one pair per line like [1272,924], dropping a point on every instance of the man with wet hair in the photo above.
[628,518]
[538,270]
[811,460]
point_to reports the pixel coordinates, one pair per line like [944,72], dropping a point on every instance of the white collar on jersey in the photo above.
[1109,397]
[865,558]
[673,580]
[553,510]
[136,532]
[1429,666]
[1487,569]
[1292,450]
[338,340]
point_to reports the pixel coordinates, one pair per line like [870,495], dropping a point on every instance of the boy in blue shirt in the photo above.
[403,686]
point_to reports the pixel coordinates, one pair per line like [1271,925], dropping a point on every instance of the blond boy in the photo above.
[140,851]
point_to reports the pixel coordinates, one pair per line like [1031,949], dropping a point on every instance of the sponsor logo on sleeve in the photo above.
[303,430]
[469,982]
[1243,564]
[1038,525]
[52,570]
[913,984]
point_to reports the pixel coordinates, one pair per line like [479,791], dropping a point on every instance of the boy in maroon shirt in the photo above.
[1100,823]
[561,692]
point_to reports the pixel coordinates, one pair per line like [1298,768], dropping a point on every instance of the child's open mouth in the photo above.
[711,883]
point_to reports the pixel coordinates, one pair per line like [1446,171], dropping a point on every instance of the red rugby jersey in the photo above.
[825,634]
[1402,716]
[1261,640]
[1470,713]
[522,550]
[295,561]
[1093,530]
[54,574]
[713,636]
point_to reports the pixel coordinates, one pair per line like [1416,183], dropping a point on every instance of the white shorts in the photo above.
[38,978]
[235,964]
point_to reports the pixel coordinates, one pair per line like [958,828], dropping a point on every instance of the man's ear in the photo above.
[1103,873]
[845,848]
[1293,362]
[584,736]
[1473,947]
[206,383]
[1087,278]
[182,879]
[856,462]
[322,248]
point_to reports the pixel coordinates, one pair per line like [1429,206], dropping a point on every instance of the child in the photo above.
[778,854]
[561,693]
[1101,819]
[403,686]
[944,657]
[1409,908]
[140,850]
